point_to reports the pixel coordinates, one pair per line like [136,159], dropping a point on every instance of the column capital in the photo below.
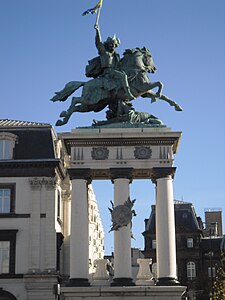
[157,173]
[80,174]
[121,173]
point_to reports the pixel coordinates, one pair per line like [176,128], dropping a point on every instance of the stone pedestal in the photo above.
[144,276]
[124,293]
[101,276]
[41,287]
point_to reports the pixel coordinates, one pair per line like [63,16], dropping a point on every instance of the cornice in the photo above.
[28,168]
[123,141]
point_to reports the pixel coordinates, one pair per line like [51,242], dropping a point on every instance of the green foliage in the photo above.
[219,286]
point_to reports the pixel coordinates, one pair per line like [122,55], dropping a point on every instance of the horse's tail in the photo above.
[68,90]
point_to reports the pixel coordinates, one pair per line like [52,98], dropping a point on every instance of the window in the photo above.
[190,243]
[4,256]
[153,244]
[7,251]
[211,272]
[7,198]
[191,270]
[5,149]
[7,144]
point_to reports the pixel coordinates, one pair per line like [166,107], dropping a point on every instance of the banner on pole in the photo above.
[94,9]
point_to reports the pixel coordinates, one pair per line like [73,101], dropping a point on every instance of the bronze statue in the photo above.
[115,82]
[104,91]
[109,62]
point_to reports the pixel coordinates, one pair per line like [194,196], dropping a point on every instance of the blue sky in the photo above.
[47,43]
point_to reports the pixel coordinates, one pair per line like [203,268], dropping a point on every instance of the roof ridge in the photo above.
[16,123]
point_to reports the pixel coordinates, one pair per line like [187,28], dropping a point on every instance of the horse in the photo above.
[103,90]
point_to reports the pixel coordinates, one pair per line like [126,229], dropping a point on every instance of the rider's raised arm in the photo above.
[98,41]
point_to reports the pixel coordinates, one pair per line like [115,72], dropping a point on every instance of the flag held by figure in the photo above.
[94,9]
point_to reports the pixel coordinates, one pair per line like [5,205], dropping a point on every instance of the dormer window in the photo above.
[7,145]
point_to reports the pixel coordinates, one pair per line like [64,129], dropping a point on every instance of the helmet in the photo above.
[114,40]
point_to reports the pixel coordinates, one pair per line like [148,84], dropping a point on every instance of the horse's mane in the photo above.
[132,51]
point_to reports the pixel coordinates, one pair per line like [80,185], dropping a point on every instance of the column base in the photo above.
[167,281]
[123,281]
[78,282]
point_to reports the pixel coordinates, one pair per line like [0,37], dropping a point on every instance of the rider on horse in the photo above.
[109,61]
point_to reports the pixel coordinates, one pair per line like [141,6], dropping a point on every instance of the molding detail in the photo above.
[117,142]
[100,153]
[80,174]
[121,173]
[157,173]
[78,154]
[49,183]
[121,215]
[37,183]
[142,152]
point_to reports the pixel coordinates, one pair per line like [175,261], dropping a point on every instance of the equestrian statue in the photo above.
[115,82]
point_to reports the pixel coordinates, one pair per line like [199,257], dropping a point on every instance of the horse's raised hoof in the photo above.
[63,114]
[54,99]
[178,108]
[59,123]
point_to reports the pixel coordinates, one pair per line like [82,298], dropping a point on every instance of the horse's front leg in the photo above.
[171,103]
[66,114]
[148,86]
[159,85]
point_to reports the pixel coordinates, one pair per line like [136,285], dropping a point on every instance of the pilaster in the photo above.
[42,226]
[35,226]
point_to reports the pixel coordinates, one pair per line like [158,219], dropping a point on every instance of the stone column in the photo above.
[79,238]
[122,238]
[165,227]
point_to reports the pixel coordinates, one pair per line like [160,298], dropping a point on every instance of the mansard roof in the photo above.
[210,243]
[34,140]
[185,218]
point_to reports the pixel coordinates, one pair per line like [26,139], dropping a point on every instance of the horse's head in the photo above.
[137,58]
[148,60]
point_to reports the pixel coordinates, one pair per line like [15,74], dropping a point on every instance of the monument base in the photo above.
[78,282]
[122,282]
[167,281]
[124,293]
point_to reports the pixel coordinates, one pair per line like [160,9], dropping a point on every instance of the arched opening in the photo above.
[4,295]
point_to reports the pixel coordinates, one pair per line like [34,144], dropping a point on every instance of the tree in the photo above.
[219,283]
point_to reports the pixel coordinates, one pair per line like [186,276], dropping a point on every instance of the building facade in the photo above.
[198,253]
[35,212]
